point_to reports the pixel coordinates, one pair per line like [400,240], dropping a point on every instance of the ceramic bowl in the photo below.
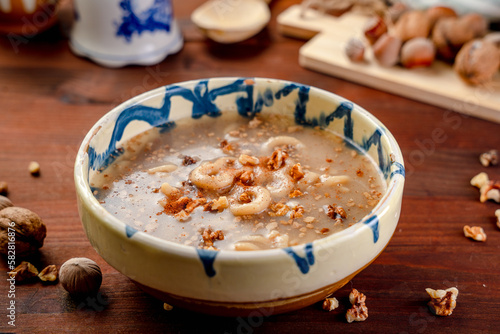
[231,21]
[236,283]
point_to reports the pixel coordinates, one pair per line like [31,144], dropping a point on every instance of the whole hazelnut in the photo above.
[386,50]
[29,229]
[493,37]
[355,50]
[418,52]
[437,12]
[412,24]
[80,276]
[477,62]
[374,28]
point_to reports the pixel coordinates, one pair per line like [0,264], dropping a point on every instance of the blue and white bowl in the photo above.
[231,282]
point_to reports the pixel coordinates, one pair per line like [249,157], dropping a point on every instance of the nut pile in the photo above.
[415,38]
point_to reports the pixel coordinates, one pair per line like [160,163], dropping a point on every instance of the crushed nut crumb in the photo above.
[475,232]
[209,237]
[217,204]
[442,302]
[296,172]
[187,160]
[297,212]
[489,158]
[295,193]
[278,209]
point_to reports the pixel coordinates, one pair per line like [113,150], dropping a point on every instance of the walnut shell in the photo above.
[5,202]
[80,276]
[477,62]
[30,231]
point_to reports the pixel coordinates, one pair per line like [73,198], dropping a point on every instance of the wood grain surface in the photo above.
[50,99]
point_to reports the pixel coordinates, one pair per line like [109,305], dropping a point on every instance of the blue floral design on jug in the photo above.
[138,17]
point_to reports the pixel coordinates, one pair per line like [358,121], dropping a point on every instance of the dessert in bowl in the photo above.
[237,195]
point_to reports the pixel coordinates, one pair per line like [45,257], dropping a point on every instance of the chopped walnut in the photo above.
[188,160]
[490,191]
[209,237]
[247,178]
[278,209]
[245,159]
[182,207]
[295,193]
[358,311]
[217,204]
[336,213]
[245,198]
[475,232]
[296,172]
[227,147]
[489,158]
[297,212]
[324,230]
[330,304]
[277,160]
[359,173]
[48,274]
[443,302]
[480,180]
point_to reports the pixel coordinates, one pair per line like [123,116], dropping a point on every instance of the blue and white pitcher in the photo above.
[117,33]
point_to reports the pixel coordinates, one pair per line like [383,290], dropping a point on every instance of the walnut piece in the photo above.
[5,202]
[475,232]
[48,274]
[217,204]
[443,302]
[245,159]
[209,237]
[330,304]
[28,227]
[24,272]
[277,160]
[278,209]
[488,189]
[296,172]
[358,311]
[247,178]
[489,158]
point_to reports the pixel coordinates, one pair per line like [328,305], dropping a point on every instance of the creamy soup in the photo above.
[240,184]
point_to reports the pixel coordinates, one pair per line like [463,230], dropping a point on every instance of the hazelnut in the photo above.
[355,50]
[418,52]
[4,188]
[386,50]
[5,202]
[30,231]
[450,34]
[34,168]
[374,28]
[477,62]
[80,276]
[412,24]
[493,37]
[24,272]
[396,10]
[48,274]
[437,12]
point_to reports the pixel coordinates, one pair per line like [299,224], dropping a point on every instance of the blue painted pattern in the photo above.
[207,258]
[303,263]
[130,231]
[248,101]
[373,223]
[158,17]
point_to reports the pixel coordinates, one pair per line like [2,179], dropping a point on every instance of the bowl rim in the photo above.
[84,192]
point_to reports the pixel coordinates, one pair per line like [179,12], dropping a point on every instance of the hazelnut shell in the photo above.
[30,231]
[80,276]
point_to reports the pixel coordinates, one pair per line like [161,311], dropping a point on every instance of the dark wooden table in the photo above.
[49,99]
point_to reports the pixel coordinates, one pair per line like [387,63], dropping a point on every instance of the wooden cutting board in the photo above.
[438,85]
